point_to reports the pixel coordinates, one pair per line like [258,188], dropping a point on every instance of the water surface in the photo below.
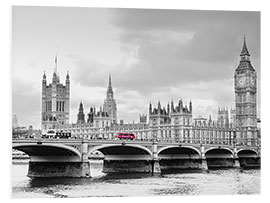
[216,182]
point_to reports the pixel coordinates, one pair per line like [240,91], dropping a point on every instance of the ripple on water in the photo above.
[118,185]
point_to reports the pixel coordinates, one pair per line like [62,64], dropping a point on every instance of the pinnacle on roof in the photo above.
[81,105]
[44,75]
[110,85]
[55,77]
[67,77]
[244,49]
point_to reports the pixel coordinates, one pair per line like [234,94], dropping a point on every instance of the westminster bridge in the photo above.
[70,157]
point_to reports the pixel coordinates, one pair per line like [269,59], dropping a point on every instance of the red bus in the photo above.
[130,136]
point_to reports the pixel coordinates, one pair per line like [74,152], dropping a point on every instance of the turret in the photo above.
[190,106]
[67,77]
[90,116]
[180,106]
[172,106]
[44,76]
[44,80]
[81,107]
[55,78]
[186,109]
[159,107]
[150,108]
[67,81]
[80,116]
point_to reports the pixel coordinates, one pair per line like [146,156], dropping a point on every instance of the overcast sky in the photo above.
[151,55]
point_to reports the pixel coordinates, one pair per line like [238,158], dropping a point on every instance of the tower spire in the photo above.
[110,83]
[244,51]
[110,90]
[244,58]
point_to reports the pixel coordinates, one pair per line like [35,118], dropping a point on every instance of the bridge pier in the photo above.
[220,162]
[155,166]
[155,162]
[249,162]
[178,165]
[236,163]
[204,165]
[85,164]
[126,166]
[58,169]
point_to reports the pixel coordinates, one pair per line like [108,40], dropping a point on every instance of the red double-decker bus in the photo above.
[129,136]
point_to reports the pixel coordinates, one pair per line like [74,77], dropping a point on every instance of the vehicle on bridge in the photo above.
[129,136]
[52,134]
[49,134]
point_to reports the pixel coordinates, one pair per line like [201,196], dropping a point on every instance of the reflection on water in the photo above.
[230,181]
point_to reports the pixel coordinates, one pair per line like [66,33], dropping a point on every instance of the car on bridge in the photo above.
[129,136]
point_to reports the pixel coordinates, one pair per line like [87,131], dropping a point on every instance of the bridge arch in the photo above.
[48,150]
[247,153]
[192,152]
[219,151]
[120,149]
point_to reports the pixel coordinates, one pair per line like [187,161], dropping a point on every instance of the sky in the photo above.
[152,55]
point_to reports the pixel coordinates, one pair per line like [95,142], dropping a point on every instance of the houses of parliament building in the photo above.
[173,122]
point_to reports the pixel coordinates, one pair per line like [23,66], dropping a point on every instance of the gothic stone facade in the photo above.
[55,102]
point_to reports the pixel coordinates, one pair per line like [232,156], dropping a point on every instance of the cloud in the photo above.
[26,102]
[88,72]
[183,44]
[163,48]
[138,20]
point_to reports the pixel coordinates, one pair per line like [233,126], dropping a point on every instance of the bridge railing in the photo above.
[208,141]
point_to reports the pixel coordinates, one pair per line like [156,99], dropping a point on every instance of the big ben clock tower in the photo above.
[245,99]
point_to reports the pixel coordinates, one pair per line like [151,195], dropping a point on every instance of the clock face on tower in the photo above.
[241,82]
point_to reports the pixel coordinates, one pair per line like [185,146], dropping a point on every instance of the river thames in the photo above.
[216,182]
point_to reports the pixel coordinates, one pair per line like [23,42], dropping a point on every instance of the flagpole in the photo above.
[55,61]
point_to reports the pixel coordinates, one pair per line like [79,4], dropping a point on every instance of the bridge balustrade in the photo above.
[213,141]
